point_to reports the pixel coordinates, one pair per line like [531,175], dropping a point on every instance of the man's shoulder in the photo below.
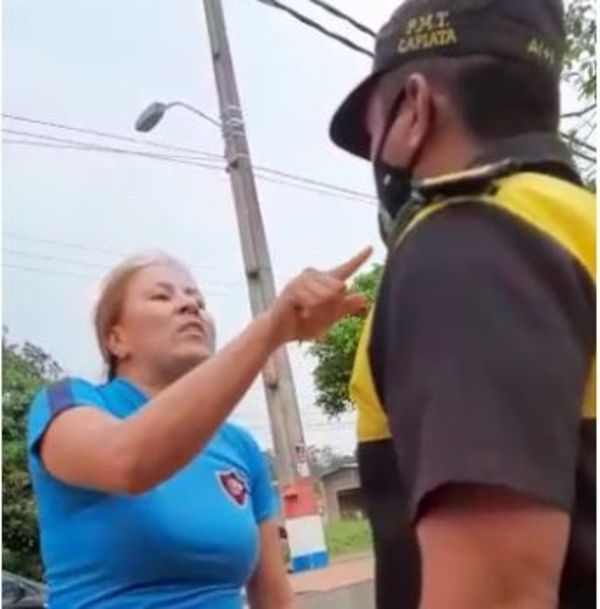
[472,182]
[469,232]
[476,252]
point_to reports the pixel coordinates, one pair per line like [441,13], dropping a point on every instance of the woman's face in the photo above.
[164,326]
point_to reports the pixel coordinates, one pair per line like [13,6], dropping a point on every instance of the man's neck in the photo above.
[451,153]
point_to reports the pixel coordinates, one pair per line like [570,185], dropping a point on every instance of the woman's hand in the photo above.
[315,300]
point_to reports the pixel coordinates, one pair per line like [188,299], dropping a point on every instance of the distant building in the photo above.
[341,493]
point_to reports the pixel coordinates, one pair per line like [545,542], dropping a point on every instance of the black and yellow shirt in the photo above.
[477,361]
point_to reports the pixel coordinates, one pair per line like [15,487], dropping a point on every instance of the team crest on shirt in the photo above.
[234,485]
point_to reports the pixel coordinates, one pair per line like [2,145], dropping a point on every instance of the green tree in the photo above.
[580,64]
[579,126]
[335,351]
[25,369]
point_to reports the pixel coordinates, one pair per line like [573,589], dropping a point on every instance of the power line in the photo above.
[35,256]
[82,247]
[341,15]
[291,181]
[93,265]
[103,148]
[91,146]
[193,151]
[317,26]
[46,271]
[97,148]
[78,246]
[114,136]
[33,269]
[316,190]
[16,142]
[341,189]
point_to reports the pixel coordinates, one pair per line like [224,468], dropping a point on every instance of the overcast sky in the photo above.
[69,215]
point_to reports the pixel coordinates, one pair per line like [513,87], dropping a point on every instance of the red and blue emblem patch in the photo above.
[234,485]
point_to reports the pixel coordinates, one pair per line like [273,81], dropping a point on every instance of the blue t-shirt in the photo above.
[189,543]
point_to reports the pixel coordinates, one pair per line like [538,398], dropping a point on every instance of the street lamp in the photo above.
[153,114]
[282,403]
[307,541]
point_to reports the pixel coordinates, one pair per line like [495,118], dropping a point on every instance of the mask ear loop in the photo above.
[385,173]
[392,115]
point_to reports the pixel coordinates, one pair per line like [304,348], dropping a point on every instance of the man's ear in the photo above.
[419,108]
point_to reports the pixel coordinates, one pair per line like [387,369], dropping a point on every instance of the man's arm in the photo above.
[490,547]
[481,348]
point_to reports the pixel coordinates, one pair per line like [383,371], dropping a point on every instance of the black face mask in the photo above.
[395,186]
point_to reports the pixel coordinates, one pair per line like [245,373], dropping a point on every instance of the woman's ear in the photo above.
[117,344]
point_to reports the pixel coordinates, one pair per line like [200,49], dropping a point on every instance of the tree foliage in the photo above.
[25,369]
[579,126]
[335,351]
[580,59]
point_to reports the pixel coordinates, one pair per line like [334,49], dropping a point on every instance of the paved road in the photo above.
[346,584]
[356,596]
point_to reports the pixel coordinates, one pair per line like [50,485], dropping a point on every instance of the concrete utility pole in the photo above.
[284,415]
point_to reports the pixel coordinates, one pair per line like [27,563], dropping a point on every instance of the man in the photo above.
[476,430]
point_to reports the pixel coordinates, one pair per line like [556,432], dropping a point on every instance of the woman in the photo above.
[146,498]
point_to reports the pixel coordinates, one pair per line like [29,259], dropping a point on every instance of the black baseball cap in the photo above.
[530,31]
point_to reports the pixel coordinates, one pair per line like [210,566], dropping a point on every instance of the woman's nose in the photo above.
[188,304]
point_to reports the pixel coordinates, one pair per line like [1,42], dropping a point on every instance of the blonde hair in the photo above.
[112,296]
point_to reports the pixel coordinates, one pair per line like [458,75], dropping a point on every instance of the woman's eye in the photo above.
[160,297]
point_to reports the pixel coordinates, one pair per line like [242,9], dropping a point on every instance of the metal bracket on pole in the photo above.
[232,125]
[233,162]
[232,121]
[270,374]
